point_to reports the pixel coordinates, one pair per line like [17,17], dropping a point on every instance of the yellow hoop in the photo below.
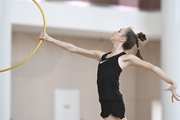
[24,60]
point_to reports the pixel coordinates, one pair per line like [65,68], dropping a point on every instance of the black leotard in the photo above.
[108,78]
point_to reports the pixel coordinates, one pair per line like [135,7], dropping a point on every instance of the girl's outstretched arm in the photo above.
[135,61]
[95,54]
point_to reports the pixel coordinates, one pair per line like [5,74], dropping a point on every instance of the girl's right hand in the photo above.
[43,36]
[172,89]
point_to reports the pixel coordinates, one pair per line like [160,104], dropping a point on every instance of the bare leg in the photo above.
[111,117]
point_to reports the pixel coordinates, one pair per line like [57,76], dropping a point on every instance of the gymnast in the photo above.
[111,65]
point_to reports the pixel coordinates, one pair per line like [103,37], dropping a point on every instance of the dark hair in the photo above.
[132,39]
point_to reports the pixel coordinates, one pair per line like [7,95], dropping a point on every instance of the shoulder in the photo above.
[128,57]
[126,60]
[132,60]
[98,54]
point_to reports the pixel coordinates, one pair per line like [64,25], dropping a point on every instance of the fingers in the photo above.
[42,36]
[172,99]
[167,89]
[177,95]
[174,95]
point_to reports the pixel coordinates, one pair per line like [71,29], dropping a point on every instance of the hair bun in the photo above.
[141,36]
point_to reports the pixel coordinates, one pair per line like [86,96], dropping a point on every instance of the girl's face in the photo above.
[118,34]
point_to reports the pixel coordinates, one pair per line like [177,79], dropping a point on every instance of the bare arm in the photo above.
[135,61]
[95,54]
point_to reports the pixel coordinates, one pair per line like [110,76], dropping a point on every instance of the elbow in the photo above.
[72,49]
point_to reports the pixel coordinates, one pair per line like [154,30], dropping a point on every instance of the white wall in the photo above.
[5,60]
[85,21]
[67,104]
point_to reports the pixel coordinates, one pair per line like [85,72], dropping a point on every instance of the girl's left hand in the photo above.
[172,89]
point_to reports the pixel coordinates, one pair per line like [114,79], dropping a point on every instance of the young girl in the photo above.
[110,66]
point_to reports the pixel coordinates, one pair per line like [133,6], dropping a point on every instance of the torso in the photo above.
[109,71]
[123,60]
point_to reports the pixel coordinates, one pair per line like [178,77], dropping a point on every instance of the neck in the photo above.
[117,48]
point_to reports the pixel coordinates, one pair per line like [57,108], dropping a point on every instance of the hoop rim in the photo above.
[38,45]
